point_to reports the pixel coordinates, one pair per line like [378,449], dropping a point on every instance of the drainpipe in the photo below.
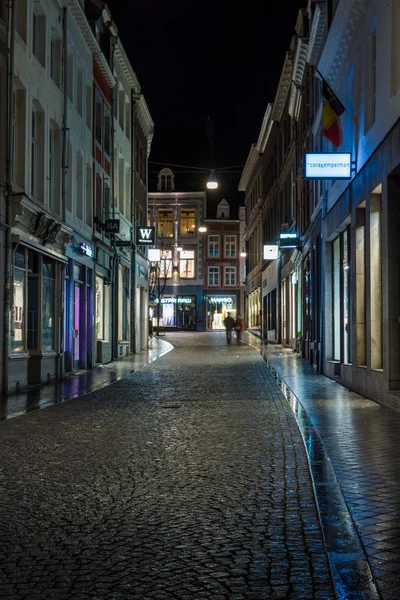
[8,196]
[61,362]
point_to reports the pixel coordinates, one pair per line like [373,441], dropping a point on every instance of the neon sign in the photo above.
[221,300]
[85,249]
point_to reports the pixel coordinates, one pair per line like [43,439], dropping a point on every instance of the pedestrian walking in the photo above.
[239,327]
[229,325]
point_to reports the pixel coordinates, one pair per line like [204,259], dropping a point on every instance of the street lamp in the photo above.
[202,229]
[212,182]
[243,253]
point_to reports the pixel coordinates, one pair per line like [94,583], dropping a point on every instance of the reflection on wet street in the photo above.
[78,384]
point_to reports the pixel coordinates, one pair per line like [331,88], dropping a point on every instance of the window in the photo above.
[17,331]
[107,204]
[165,223]
[121,108]
[166,183]
[375,218]
[128,192]
[230,246]
[213,276]
[102,309]
[213,246]
[89,106]
[230,276]
[69,180]
[39,37]
[19,143]
[186,264]
[121,194]
[32,313]
[361,291]
[48,317]
[128,119]
[37,154]
[21,12]
[89,199]
[187,222]
[341,297]
[107,130]
[79,92]
[55,61]
[370,83]
[70,77]
[166,264]
[79,187]
[99,202]
[54,168]
[98,117]
[124,308]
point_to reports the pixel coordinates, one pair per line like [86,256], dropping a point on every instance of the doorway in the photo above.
[77,346]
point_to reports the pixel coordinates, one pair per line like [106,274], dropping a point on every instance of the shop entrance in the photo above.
[76,340]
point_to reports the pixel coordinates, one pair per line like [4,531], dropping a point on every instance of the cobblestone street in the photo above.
[185,480]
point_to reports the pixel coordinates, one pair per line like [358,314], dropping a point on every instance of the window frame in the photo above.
[217,247]
[231,270]
[230,242]
[213,276]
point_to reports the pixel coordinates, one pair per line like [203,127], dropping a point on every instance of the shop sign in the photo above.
[289,240]
[175,300]
[85,249]
[123,243]
[328,165]
[145,236]
[112,225]
[271,252]
[221,300]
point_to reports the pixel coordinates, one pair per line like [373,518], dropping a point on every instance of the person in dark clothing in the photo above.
[229,325]
[239,327]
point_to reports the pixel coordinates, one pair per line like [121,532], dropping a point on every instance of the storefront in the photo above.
[103,307]
[36,310]
[217,308]
[78,310]
[176,312]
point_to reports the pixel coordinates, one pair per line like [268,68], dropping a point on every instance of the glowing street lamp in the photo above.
[212,182]
[202,229]
[243,253]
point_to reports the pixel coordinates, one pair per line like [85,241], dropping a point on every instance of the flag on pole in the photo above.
[332,108]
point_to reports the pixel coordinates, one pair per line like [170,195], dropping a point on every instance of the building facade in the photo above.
[222,274]
[71,299]
[177,216]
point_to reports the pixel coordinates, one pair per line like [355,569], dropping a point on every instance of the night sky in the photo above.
[206,59]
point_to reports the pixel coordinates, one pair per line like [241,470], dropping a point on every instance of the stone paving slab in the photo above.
[187,479]
[361,440]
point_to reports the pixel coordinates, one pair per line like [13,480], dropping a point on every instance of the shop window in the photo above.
[213,276]
[230,246]
[123,304]
[186,264]
[341,297]
[360,286]
[230,276]
[48,317]
[165,224]
[376,279]
[187,222]
[17,333]
[213,246]
[102,309]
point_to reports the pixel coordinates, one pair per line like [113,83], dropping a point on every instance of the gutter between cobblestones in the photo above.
[350,570]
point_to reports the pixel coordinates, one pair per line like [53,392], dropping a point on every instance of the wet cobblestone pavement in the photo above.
[186,480]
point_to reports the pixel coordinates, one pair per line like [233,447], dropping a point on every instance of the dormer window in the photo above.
[223,210]
[166,181]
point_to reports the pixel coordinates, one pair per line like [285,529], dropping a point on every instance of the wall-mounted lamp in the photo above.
[202,229]
[179,249]
[243,253]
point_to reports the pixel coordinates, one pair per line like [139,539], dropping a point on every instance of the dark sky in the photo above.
[200,59]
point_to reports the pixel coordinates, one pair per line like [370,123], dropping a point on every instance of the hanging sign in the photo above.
[327,165]
[271,252]
[112,225]
[145,236]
